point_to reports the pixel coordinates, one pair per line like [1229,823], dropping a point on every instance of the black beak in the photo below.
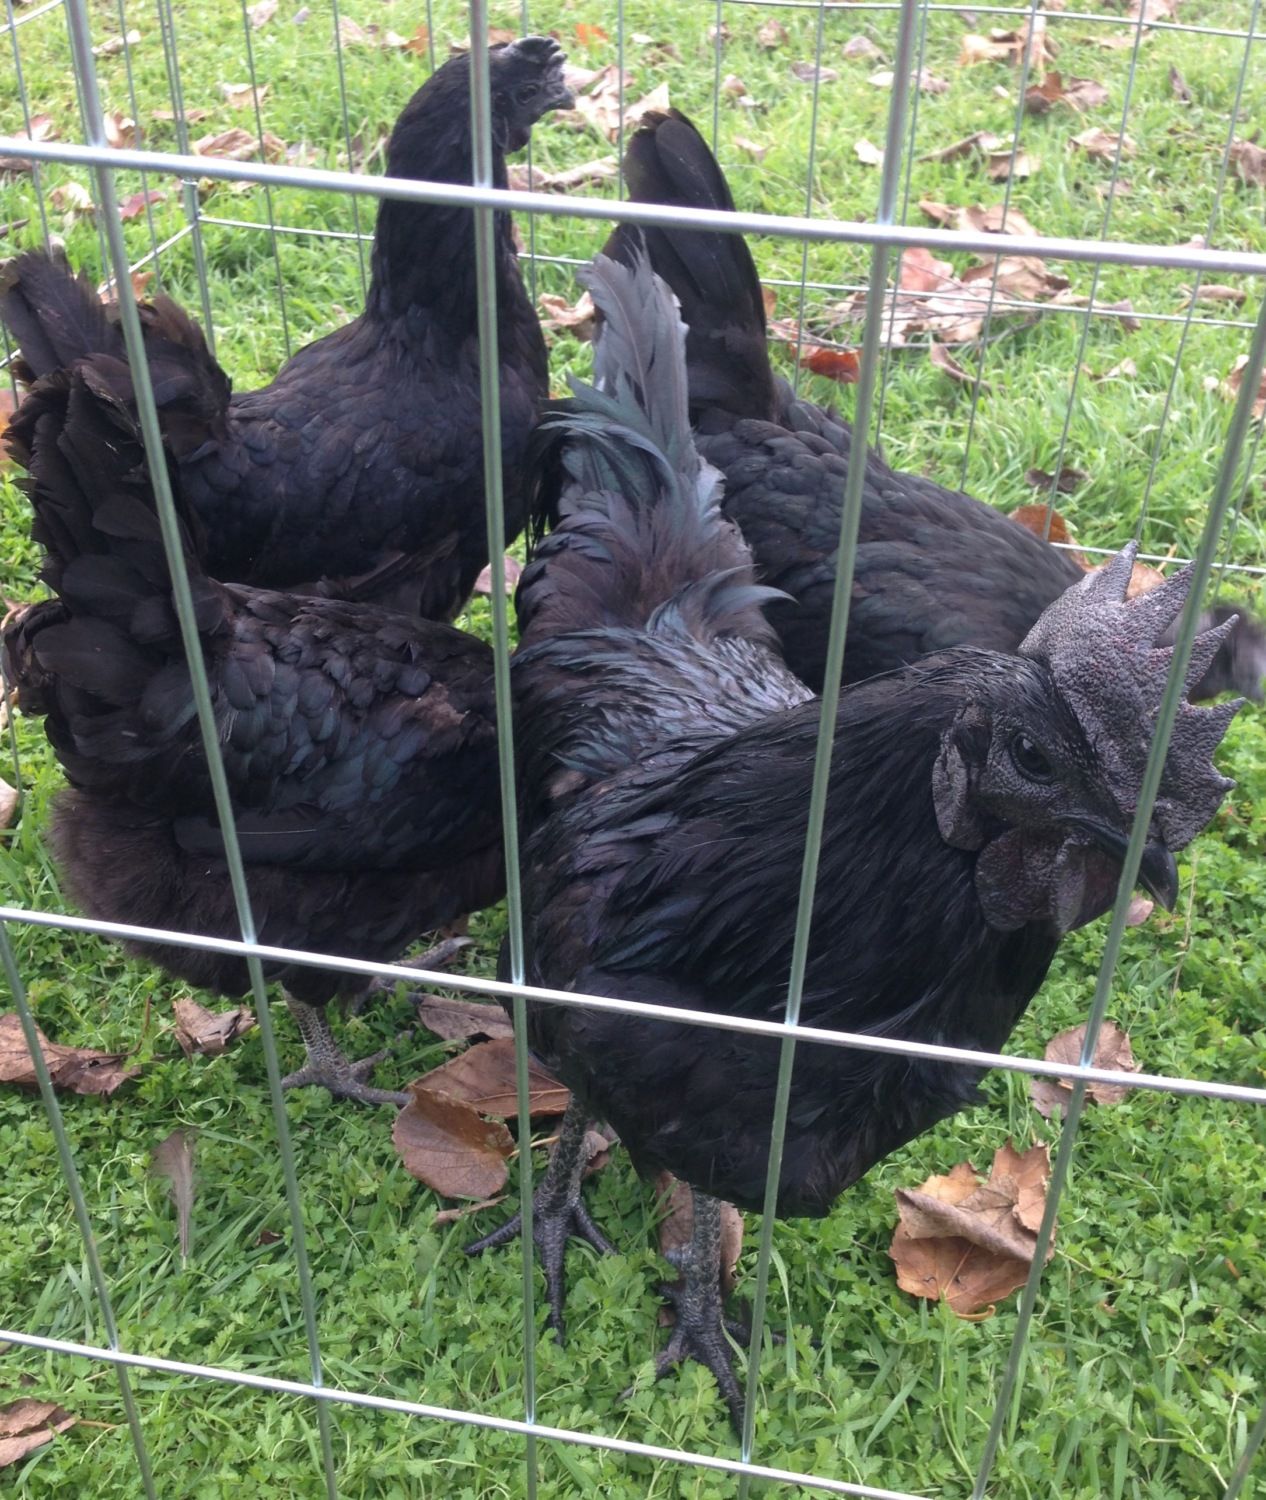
[1158,870]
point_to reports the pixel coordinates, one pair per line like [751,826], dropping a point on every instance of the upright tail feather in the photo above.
[54,316]
[640,537]
[712,274]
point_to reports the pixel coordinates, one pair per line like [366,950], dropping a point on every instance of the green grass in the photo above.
[1145,1370]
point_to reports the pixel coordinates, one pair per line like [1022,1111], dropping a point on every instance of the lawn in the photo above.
[1146,1363]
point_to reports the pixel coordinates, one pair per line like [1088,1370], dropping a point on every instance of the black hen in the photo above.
[358,473]
[934,567]
[360,745]
[979,807]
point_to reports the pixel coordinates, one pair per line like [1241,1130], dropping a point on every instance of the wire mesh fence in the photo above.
[848,283]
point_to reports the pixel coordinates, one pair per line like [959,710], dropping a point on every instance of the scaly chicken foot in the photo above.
[558,1213]
[701,1326]
[327,1067]
[437,957]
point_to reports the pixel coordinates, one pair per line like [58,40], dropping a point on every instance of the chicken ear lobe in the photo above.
[964,750]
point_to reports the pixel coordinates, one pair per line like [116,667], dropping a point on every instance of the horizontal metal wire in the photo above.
[862,1041]
[30,15]
[781,226]
[405,1408]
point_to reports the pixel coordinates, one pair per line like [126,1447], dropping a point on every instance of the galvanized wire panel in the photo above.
[201,257]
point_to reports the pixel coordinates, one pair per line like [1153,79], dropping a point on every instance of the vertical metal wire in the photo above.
[619,76]
[718,47]
[268,192]
[1251,1449]
[525,30]
[850,518]
[810,169]
[494,512]
[81,104]
[1210,229]
[347,140]
[1203,563]
[136,116]
[78,1202]
[81,43]
[188,189]
[37,171]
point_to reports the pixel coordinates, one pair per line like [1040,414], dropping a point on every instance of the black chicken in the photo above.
[359,472]
[360,745]
[934,567]
[980,804]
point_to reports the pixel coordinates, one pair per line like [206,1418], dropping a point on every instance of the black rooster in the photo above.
[934,567]
[360,745]
[358,472]
[979,808]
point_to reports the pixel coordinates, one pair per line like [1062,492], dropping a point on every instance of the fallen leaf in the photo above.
[677,1226]
[984,220]
[79,1070]
[597,1150]
[483,1077]
[135,206]
[420,42]
[719,33]
[1213,292]
[513,570]
[1065,483]
[120,131]
[980,143]
[9,797]
[1230,387]
[234,145]
[531,178]
[922,272]
[459,1020]
[268,1237]
[26,1425]
[753,149]
[449,1146]
[808,72]
[1250,163]
[115,44]
[1023,276]
[588,35]
[928,83]
[1127,369]
[656,102]
[882,79]
[243,95]
[190,116]
[1103,144]
[72,199]
[1140,909]
[261,13]
[209,1032]
[1112,1050]
[772,34]
[173,1159]
[971,1242]
[1179,86]
[980,49]
[574,317]
[944,360]
[842,365]
[861,47]
[1152,10]
[733,85]
[1033,518]
[452,1215]
[868,153]
[1001,165]
[1078,93]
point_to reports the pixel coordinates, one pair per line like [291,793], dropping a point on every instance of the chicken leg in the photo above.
[326,1064]
[438,956]
[701,1327]
[558,1212]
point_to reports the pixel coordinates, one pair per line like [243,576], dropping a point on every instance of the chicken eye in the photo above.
[1031,760]
[525,93]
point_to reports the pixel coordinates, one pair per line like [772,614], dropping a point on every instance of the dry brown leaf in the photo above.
[984,220]
[1127,369]
[981,143]
[234,145]
[9,796]
[483,1077]
[459,1020]
[120,131]
[173,1160]
[113,45]
[1250,163]
[1078,93]
[72,199]
[597,1150]
[843,365]
[1152,10]
[26,1425]
[1023,276]
[135,206]
[677,1225]
[1103,144]
[1112,1050]
[968,1241]
[1230,387]
[513,570]
[191,116]
[753,148]
[420,42]
[1033,518]
[808,72]
[589,36]
[1067,481]
[574,317]
[733,85]
[261,13]
[861,47]
[243,95]
[772,34]
[719,33]
[531,178]
[446,1144]
[79,1070]
[1002,166]
[868,153]
[1140,908]
[498,36]
[1213,292]
[944,360]
[656,102]
[922,272]
[1179,86]
[452,1215]
[209,1032]
[981,49]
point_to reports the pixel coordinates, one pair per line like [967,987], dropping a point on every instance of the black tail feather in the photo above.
[54,316]
[712,275]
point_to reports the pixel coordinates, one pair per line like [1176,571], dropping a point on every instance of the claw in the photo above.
[437,957]
[326,1066]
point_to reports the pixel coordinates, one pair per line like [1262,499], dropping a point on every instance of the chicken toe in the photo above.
[326,1065]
